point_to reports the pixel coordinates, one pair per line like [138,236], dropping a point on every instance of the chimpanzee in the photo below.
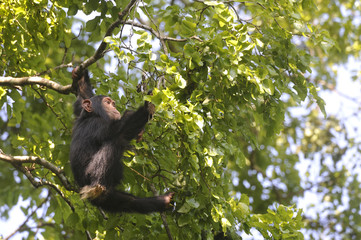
[100,136]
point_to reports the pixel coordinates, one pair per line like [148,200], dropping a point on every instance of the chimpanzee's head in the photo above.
[102,106]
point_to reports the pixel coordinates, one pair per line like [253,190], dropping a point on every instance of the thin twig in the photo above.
[165,223]
[51,108]
[28,218]
[161,39]
[41,182]
[162,214]
[99,53]
[89,237]
[64,56]
[154,32]
[140,174]
[62,65]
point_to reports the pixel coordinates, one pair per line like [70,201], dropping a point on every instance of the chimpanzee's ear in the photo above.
[87,105]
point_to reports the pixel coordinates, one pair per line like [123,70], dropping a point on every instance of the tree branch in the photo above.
[162,214]
[51,108]
[99,53]
[37,80]
[157,34]
[28,218]
[333,88]
[55,68]
[12,82]
[41,182]
[31,159]
[162,41]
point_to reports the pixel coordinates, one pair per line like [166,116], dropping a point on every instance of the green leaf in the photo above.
[152,56]
[259,43]
[180,81]
[212,3]
[192,203]
[225,224]
[67,37]
[184,220]
[91,25]
[73,219]
[2,92]
[185,208]
[268,86]
[73,9]
[189,24]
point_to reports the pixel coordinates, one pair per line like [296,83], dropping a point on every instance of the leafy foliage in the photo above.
[225,78]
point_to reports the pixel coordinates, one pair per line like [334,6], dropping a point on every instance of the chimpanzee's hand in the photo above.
[168,199]
[140,136]
[76,78]
[150,108]
[74,75]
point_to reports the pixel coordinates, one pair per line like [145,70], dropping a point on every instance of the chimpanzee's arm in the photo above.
[82,84]
[133,124]
[83,88]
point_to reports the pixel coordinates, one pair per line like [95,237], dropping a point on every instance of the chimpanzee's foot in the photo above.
[91,192]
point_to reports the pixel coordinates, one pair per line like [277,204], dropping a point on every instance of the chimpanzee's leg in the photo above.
[116,201]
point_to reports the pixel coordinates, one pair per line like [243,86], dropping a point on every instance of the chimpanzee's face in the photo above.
[109,107]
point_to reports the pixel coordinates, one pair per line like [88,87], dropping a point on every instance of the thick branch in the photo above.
[12,82]
[31,159]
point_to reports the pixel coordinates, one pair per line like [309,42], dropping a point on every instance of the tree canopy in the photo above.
[240,134]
